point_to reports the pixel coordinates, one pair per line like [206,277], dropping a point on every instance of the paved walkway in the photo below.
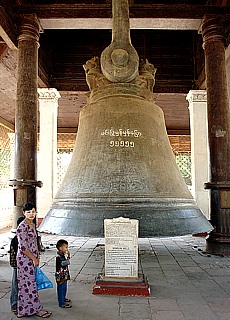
[186,284]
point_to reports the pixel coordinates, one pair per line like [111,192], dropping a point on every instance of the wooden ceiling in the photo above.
[164,32]
[63,53]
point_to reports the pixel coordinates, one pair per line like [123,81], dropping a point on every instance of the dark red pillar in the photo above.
[26,117]
[219,134]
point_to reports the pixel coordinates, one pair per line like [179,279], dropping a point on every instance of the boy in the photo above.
[62,272]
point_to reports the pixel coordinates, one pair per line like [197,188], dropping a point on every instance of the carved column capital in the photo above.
[212,30]
[48,94]
[29,28]
[196,96]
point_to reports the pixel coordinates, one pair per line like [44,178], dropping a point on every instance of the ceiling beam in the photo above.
[8,31]
[6,124]
[135,23]
[177,11]
[177,132]
[161,86]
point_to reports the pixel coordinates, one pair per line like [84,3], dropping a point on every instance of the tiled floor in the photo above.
[186,284]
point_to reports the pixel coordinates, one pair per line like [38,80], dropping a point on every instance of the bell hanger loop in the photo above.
[120,61]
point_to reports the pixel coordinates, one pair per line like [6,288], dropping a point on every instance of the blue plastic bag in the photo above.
[42,281]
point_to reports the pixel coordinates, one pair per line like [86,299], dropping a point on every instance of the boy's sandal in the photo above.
[43,314]
[20,316]
[14,311]
[67,300]
[66,306]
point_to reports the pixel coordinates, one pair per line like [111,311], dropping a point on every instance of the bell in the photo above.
[122,164]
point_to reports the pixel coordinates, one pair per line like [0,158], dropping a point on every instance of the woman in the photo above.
[27,260]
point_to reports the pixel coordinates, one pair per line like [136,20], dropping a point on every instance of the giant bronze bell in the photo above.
[122,163]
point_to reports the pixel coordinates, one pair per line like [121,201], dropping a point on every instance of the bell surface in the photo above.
[123,165]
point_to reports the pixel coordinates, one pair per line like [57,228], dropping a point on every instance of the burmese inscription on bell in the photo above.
[121,247]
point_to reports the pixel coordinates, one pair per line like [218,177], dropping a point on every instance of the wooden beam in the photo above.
[68,130]
[3,48]
[181,11]
[8,30]
[173,86]
[176,132]
[135,23]
[6,124]
[161,86]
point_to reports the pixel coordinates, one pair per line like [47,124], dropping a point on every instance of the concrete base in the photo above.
[218,245]
[121,287]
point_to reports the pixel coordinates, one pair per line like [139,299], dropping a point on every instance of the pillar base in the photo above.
[218,241]
[121,287]
[219,245]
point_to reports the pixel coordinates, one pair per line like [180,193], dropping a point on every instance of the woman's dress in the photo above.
[28,300]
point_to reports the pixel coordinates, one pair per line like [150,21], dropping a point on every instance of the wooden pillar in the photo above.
[218,134]
[26,116]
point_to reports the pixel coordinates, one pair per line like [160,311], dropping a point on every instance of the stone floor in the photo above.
[186,283]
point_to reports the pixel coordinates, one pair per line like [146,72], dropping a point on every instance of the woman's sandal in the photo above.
[67,300]
[43,314]
[67,305]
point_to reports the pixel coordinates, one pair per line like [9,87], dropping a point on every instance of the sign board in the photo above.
[121,247]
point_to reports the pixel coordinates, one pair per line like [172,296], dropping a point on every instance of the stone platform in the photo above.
[122,287]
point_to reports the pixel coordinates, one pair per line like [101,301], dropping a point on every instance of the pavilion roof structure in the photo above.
[72,32]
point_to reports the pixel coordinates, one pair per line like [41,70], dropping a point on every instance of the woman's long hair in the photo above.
[27,207]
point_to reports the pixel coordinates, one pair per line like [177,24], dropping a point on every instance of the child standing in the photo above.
[62,273]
